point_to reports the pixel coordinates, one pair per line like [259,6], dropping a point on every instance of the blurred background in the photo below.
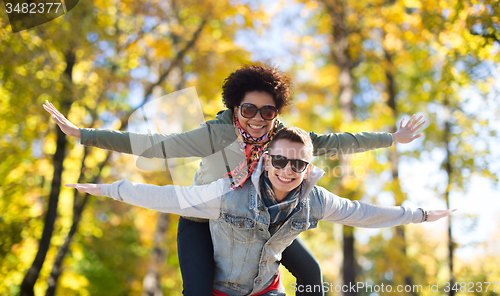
[356,66]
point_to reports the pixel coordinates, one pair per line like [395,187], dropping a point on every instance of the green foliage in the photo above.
[435,51]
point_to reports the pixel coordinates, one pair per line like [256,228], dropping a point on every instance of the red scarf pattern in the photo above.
[253,149]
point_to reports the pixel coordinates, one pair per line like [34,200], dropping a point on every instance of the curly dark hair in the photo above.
[257,78]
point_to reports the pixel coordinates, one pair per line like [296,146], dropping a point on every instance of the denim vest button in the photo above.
[261,208]
[257,281]
[263,263]
[304,227]
[242,224]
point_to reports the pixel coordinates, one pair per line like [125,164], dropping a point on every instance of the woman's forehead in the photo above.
[258,98]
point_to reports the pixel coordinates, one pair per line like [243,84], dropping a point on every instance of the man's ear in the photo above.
[308,170]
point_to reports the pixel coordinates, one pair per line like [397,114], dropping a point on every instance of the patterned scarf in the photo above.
[253,149]
[279,211]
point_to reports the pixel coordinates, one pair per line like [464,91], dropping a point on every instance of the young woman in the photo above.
[254,96]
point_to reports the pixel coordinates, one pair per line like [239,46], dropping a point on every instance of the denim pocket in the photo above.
[302,225]
[242,228]
[238,221]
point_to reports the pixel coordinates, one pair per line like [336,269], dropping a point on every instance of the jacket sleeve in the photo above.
[359,214]
[202,201]
[194,143]
[347,143]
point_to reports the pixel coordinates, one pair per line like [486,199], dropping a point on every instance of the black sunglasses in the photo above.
[280,162]
[267,112]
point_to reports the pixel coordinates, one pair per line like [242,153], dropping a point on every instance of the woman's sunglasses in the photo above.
[280,162]
[267,112]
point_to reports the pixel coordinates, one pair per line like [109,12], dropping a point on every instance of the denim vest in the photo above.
[246,255]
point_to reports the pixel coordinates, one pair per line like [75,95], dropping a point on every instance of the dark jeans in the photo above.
[196,259]
[302,264]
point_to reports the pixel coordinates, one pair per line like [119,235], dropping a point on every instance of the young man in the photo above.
[252,225]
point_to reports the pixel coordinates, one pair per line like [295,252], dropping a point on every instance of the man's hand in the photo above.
[434,215]
[92,189]
[406,134]
[64,124]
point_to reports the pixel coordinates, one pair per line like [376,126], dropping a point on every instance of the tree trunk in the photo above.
[151,284]
[78,207]
[340,55]
[394,158]
[28,283]
[449,172]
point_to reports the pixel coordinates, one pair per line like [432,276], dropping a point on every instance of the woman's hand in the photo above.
[406,134]
[64,124]
[92,189]
[434,215]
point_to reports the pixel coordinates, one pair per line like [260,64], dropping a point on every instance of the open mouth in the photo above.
[286,180]
[256,127]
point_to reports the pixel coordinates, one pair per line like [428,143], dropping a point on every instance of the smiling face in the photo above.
[286,179]
[256,126]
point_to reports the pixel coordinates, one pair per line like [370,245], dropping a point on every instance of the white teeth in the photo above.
[284,179]
[256,126]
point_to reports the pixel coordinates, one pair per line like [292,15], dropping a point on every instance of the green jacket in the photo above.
[215,141]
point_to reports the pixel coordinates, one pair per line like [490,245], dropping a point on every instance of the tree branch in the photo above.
[180,55]
[486,36]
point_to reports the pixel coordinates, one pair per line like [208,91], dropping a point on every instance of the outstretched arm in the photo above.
[194,143]
[359,214]
[349,143]
[195,201]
